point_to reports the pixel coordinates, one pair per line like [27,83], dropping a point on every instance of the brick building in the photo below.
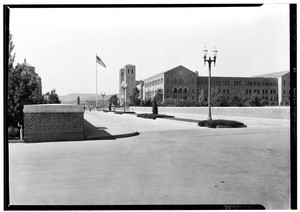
[178,82]
[283,78]
[182,83]
[241,86]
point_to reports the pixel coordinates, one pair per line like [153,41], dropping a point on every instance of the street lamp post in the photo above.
[209,60]
[124,86]
[103,95]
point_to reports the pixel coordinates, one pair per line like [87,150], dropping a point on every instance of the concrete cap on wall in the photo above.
[53,108]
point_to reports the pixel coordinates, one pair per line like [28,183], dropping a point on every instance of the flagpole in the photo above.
[96,83]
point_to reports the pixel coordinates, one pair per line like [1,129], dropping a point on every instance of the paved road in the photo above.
[170,162]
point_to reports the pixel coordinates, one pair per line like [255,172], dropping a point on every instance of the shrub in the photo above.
[152,116]
[147,116]
[147,102]
[169,102]
[13,132]
[191,103]
[264,102]
[273,103]
[222,123]
[286,102]
[180,103]
[154,107]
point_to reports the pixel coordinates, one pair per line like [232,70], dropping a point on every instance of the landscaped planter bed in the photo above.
[221,123]
[126,112]
[153,116]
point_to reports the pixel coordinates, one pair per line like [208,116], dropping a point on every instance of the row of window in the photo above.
[180,80]
[180,90]
[153,92]
[238,83]
[154,82]
[185,90]
[263,91]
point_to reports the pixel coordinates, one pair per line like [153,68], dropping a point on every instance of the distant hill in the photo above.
[72,98]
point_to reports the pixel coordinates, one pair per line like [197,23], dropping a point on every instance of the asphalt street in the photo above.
[169,162]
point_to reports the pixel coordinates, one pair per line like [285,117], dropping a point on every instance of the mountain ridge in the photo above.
[72,97]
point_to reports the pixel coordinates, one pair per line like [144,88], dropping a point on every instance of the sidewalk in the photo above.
[103,126]
[249,121]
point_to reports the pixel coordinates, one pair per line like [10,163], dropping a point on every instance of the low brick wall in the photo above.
[53,122]
[265,112]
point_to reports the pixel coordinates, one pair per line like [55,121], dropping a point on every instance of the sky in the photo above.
[62,43]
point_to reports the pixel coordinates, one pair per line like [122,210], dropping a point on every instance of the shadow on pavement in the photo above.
[95,133]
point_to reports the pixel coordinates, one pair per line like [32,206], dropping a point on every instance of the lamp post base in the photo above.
[209,118]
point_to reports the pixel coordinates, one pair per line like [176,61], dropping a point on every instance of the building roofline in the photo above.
[166,71]
[273,74]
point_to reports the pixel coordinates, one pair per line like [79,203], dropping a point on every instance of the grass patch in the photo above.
[152,116]
[221,123]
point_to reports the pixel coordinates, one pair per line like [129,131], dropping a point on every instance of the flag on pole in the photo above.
[100,62]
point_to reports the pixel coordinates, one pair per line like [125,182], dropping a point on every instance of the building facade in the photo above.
[283,78]
[266,88]
[182,83]
[177,83]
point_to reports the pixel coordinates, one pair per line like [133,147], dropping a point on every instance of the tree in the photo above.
[201,99]
[237,101]
[216,97]
[159,96]
[113,100]
[134,99]
[20,92]
[51,98]
[263,102]
[11,47]
[154,107]
[253,101]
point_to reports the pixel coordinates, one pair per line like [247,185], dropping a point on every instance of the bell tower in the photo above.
[126,79]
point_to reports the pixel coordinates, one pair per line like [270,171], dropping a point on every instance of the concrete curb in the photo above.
[112,137]
[127,135]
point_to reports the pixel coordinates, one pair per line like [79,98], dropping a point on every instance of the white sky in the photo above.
[62,43]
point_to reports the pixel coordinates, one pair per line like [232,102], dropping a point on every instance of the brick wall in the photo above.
[58,124]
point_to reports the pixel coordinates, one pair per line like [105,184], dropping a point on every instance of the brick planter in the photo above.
[53,122]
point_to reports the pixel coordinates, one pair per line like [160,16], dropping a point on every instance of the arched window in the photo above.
[175,80]
[175,93]
[180,80]
[246,91]
[180,93]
